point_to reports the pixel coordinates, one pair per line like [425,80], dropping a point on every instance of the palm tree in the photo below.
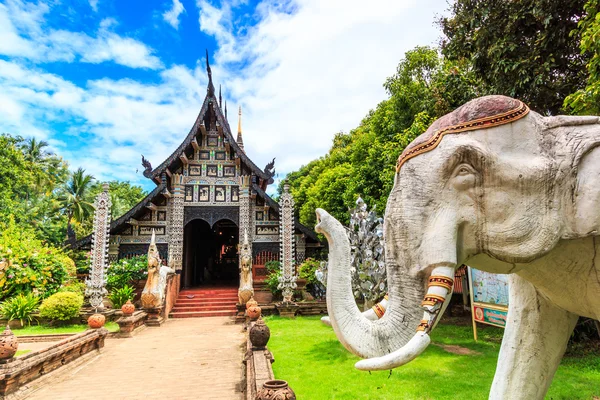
[74,200]
[34,150]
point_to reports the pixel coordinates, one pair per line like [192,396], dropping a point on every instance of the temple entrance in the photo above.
[210,254]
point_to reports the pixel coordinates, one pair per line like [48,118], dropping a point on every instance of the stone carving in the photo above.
[176,226]
[154,291]
[287,280]
[259,335]
[8,344]
[96,283]
[504,190]
[275,390]
[246,290]
[211,214]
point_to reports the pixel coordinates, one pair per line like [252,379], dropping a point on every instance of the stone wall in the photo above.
[16,372]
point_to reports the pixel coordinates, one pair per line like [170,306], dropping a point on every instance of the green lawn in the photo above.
[47,330]
[22,352]
[308,356]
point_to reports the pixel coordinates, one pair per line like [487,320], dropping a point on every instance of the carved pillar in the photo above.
[96,282]
[300,248]
[287,281]
[245,224]
[176,224]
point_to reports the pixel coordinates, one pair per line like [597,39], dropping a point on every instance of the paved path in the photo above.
[199,358]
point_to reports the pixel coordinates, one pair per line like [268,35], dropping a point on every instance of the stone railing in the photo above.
[258,368]
[16,372]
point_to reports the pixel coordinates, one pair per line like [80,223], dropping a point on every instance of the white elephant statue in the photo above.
[505,190]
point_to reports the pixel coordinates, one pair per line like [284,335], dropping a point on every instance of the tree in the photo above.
[123,196]
[519,48]
[75,198]
[587,99]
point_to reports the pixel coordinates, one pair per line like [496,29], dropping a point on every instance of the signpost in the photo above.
[489,298]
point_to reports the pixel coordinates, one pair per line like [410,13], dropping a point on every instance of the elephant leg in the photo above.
[535,339]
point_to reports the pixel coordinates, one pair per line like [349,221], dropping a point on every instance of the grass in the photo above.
[309,356]
[22,352]
[48,330]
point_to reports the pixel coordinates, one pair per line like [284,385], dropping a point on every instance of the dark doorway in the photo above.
[210,254]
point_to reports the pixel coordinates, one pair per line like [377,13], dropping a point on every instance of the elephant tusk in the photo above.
[403,355]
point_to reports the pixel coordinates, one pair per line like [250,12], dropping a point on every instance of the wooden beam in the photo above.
[167,194]
[152,206]
[184,159]
[169,173]
[133,222]
[203,129]
[195,144]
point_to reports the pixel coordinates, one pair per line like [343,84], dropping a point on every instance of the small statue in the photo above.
[147,167]
[246,290]
[154,291]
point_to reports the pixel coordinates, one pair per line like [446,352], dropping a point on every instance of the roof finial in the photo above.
[239,140]
[211,87]
[226,109]
[220,98]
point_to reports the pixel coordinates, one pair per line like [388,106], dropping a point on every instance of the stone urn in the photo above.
[96,321]
[8,344]
[275,390]
[128,308]
[251,303]
[253,312]
[259,335]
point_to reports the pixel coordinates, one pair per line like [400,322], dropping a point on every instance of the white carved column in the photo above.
[113,248]
[95,284]
[176,224]
[287,281]
[245,223]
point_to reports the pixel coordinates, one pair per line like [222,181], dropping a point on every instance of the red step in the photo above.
[205,302]
[198,314]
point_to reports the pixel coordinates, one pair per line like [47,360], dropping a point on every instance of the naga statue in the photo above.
[147,167]
[246,290]
[270,170]
[154,291]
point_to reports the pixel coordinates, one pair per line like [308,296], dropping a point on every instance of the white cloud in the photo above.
[316,67]
[23,35]
[172,15]
[94,5]
[309,69]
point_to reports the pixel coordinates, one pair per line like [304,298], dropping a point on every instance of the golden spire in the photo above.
[239,140]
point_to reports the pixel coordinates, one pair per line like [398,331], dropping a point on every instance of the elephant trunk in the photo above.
[390,341]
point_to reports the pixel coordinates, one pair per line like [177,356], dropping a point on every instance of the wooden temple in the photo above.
[208,194]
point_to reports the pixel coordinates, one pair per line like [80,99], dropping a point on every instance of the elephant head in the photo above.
[492,185]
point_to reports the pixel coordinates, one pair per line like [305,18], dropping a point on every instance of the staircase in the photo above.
[205,302]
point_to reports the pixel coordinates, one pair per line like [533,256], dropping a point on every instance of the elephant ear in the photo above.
[584,143]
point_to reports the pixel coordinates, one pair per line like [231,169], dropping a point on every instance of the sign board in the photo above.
[489,298]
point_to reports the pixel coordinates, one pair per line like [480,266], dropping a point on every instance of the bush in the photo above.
[74,286]
[120,296]
[273,274]
[20,307]
[307,270]
[125,271]
[29,266]
[61,306]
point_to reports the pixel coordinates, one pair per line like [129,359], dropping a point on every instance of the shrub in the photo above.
[74,286]
[125,271]
[273,274]
[27,265]
[61,306]
[20,307]
[307,270]
[120,296]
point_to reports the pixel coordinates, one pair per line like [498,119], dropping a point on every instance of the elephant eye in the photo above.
[464,177]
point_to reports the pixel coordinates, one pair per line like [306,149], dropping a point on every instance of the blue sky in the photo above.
[104,81]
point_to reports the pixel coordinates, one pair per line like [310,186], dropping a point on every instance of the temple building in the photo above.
[208,194]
